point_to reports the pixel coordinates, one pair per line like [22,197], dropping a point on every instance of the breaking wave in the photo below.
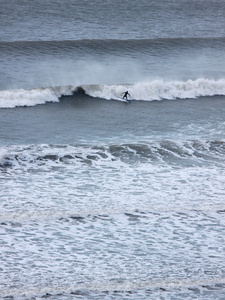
[194,152]
[145,91]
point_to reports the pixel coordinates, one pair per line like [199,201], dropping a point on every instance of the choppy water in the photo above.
[100,197]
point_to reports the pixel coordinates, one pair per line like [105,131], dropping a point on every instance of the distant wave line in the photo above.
[110,41]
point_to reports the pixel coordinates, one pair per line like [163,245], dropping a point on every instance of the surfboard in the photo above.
[126,101]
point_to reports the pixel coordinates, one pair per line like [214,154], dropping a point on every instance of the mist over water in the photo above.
[113,62]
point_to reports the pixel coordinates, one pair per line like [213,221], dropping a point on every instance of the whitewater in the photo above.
[145,91]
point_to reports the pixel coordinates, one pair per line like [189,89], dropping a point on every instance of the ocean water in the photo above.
[103,198]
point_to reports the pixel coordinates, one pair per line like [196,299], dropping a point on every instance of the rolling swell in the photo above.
[110,46]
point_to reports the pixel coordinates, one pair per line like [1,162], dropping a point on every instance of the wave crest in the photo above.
[22,97]
[146,91]
[160,90]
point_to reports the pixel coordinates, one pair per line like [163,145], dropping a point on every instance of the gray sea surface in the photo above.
[100,197]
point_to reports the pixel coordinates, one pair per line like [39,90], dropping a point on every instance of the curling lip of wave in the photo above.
[147,91]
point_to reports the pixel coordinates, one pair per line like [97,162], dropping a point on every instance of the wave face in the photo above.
[146,91]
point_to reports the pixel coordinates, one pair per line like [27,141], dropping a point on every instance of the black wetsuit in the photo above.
[125,94]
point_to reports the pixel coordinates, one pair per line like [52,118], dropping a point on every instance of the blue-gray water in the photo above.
[102,198]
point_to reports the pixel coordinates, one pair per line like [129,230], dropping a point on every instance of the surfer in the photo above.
[125,95]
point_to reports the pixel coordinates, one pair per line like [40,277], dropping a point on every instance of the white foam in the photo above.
[160,89]
[146,90]
[183,183]
[3,153]
[22,97]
